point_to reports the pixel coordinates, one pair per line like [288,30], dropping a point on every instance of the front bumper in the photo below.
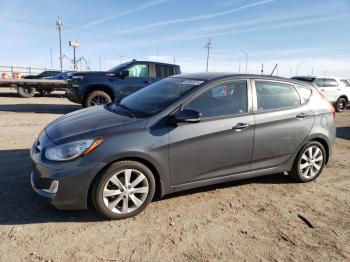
[73,93]
[64,184]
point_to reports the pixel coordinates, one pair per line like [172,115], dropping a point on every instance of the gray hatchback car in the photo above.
[182,132]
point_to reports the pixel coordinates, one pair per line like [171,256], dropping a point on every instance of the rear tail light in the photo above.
[330,105]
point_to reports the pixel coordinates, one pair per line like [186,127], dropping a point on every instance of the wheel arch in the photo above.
[159,192]
[343,96]
[94,87]
[324,143]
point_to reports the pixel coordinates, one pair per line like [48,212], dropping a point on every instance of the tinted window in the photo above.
[319,82]
[227,98]
[304,93]
[138,70]
[345,83]
[330,82]
[273,95]
[163,71]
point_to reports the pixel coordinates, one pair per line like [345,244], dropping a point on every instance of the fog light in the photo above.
[53,187]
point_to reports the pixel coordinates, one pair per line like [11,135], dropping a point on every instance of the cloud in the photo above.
[127,12]
[196,18]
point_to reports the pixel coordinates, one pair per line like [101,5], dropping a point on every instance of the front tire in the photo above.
[96,98]
[340,105]
[309,162]
[123,190]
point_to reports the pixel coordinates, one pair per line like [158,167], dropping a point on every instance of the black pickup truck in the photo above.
[97,88]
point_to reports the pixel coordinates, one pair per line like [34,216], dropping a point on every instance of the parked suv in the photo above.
[182,132]
[336,90]
[97,88]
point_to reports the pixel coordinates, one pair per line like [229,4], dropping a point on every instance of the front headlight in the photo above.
[71,150]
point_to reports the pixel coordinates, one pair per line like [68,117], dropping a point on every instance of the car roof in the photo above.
[158,63]
[219,75]
[316,76]
[215,75]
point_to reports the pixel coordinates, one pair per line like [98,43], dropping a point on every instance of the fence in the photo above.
[18,71]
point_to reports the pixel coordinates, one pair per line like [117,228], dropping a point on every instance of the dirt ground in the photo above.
[250,220]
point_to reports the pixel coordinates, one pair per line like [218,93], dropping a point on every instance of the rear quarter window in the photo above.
[275,95]
[305,93]
[345,83]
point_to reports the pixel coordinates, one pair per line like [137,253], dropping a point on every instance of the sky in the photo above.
[302,36]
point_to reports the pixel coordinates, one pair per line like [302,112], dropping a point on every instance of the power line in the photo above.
[208,46]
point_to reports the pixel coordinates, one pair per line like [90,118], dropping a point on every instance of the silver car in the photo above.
[182,132]
[335,89]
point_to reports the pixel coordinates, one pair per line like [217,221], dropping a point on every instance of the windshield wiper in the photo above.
[127,109]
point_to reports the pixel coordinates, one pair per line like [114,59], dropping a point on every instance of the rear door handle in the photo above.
[301,115]
[240,126]
[147,82]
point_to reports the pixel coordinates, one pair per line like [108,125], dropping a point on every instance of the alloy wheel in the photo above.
[311,162]
[125,191]
[98,100]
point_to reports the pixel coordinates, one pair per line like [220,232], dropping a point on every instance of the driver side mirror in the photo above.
[187,116]
[124,73]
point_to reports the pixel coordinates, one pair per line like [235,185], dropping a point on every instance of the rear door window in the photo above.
[328,82]
[163,71]
[275,95]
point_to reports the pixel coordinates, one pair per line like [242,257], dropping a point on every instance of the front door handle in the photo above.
[240,126]
[301,115]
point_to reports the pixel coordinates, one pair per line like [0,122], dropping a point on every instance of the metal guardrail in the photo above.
[15,71]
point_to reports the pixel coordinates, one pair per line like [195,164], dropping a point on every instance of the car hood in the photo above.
[89,123]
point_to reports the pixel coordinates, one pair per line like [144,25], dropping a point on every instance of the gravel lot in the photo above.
[252,220]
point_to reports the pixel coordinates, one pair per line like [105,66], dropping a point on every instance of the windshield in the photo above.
[156,97]
[118,68]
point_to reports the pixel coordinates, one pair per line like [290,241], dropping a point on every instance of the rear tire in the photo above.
[309,162]
[96,98]
[117,197]
[26,92]
[340,105]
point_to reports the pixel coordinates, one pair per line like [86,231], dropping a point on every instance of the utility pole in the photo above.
[298,65]
[290,73]
[100,62]
[51,58]
[174,59]
[312,71]
[246,59]
[120,58]
[262,68]
[239,67]
[208,46]
[59,25]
